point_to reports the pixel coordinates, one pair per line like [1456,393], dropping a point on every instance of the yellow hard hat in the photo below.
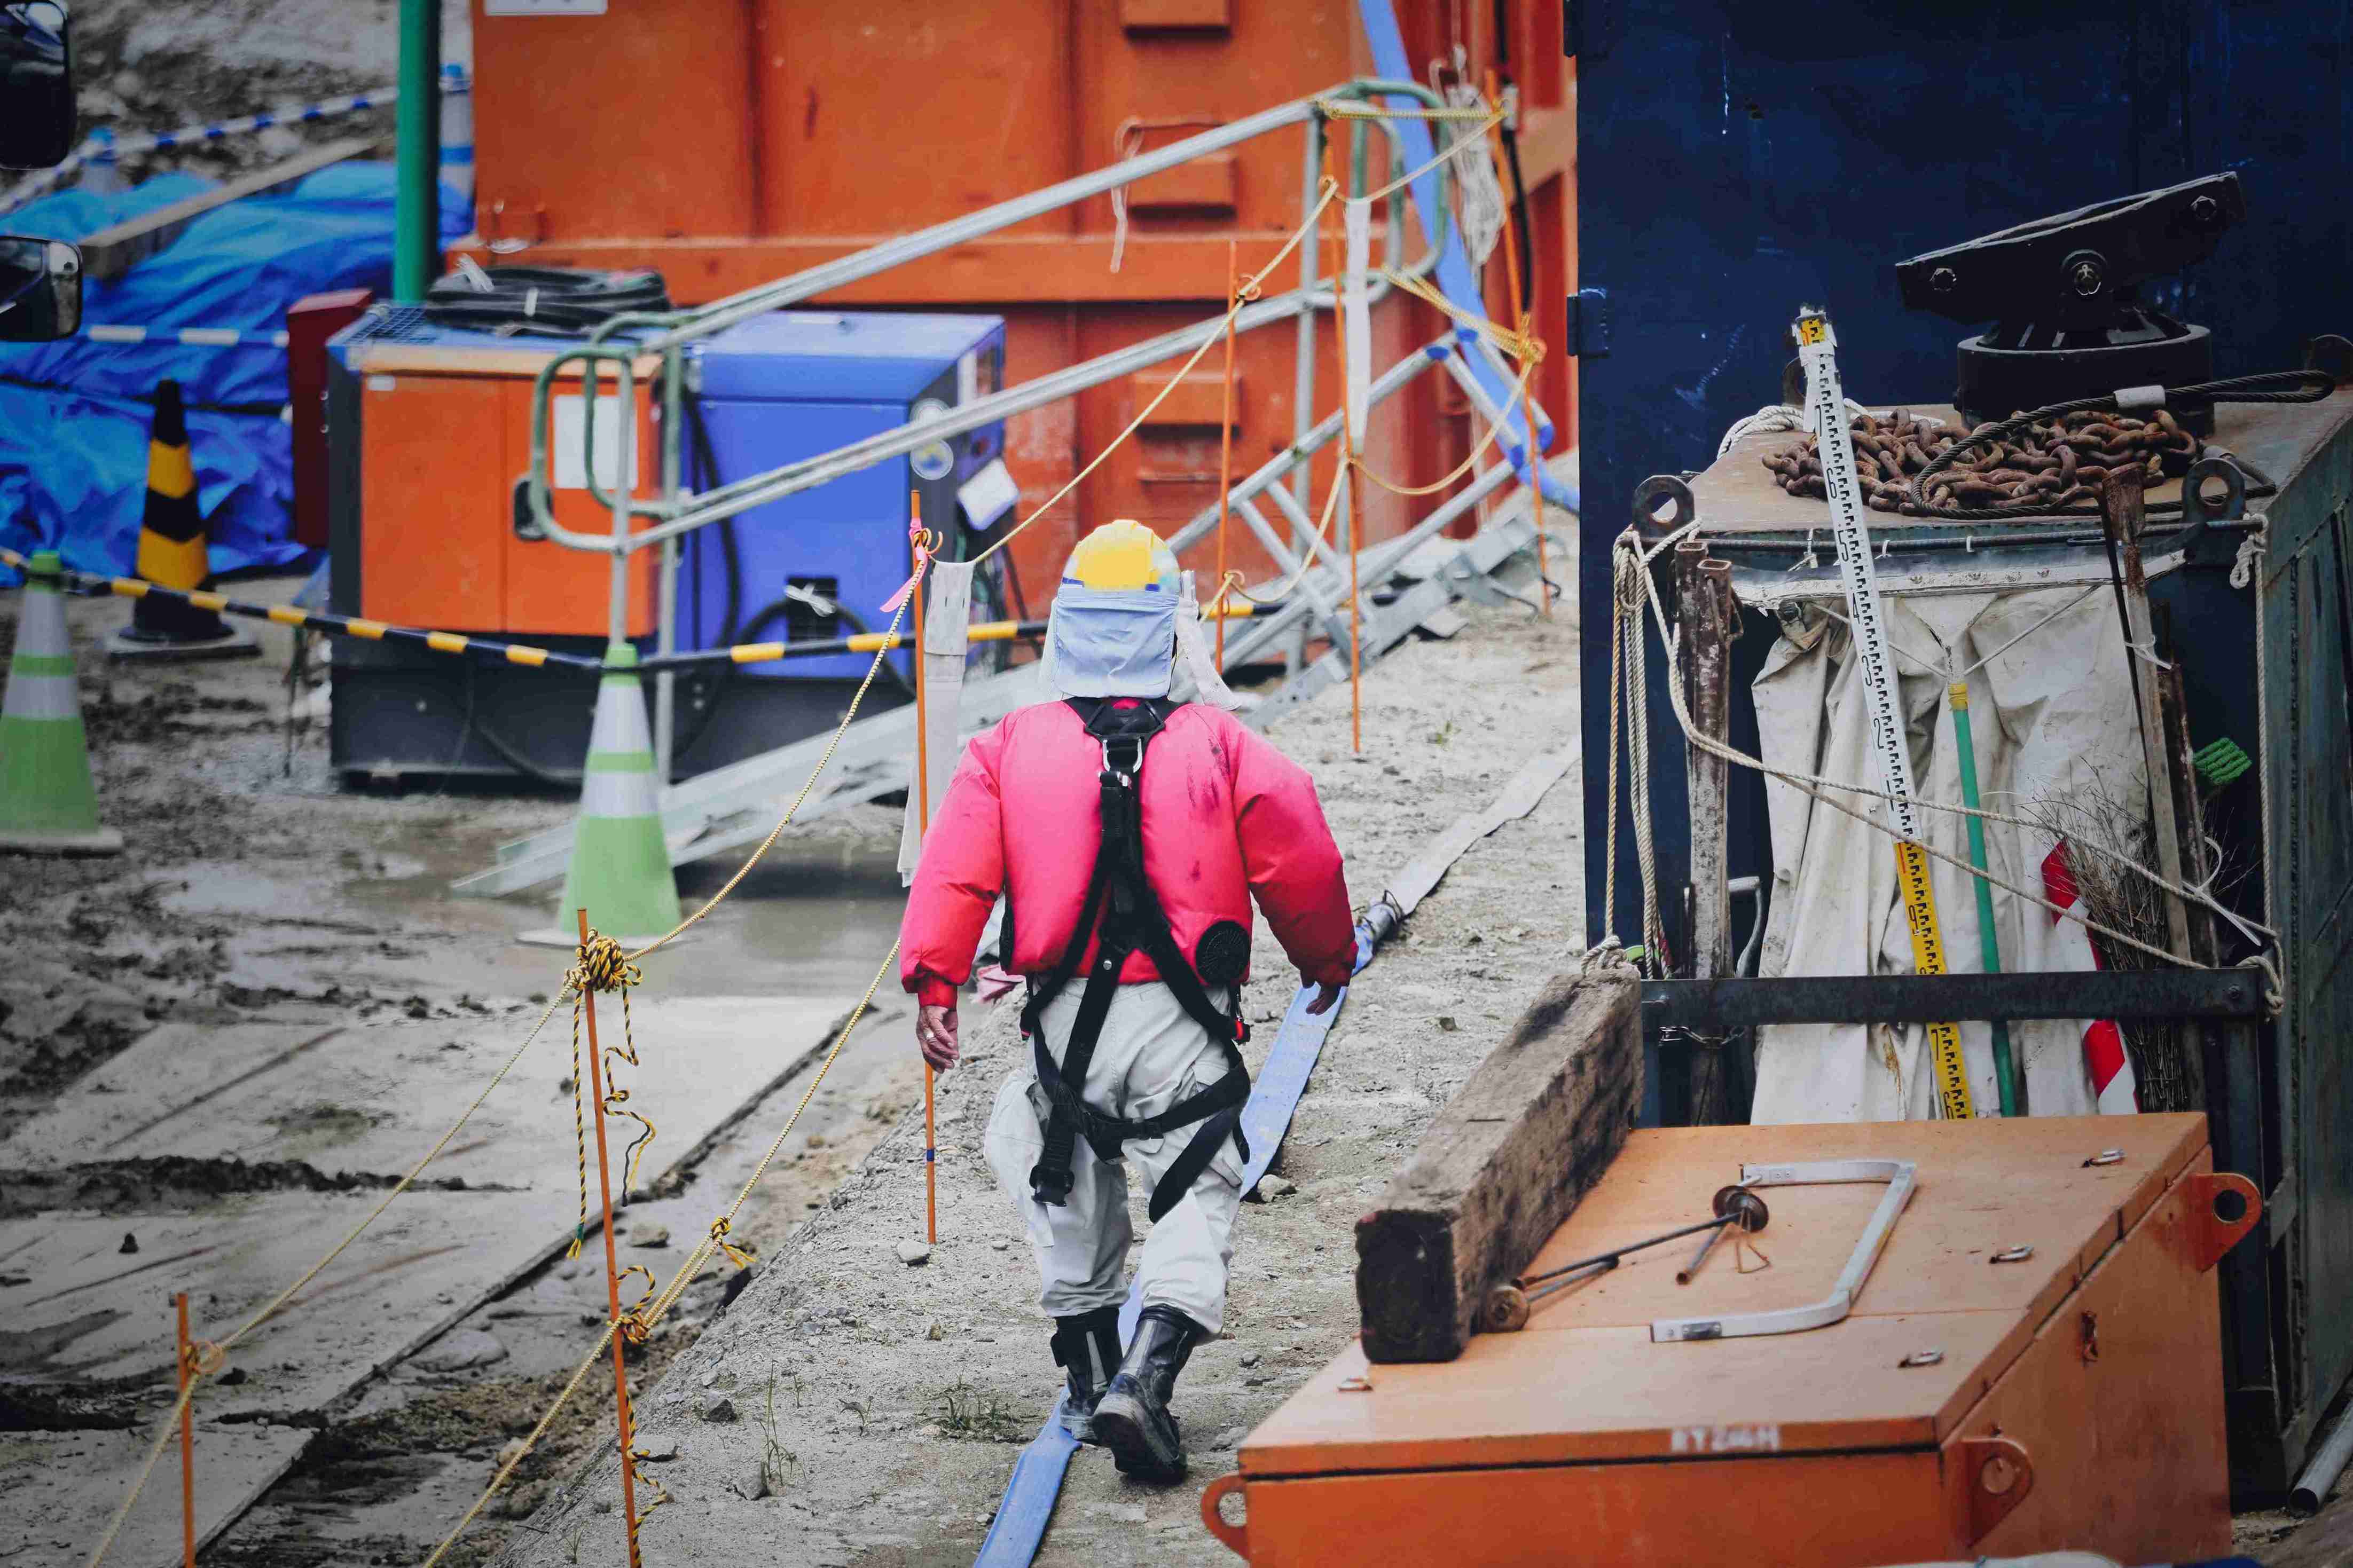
[1122,555]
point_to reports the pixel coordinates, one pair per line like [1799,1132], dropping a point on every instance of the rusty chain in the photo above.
[2049,466]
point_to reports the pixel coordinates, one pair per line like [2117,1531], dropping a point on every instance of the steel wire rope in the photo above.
[1630,563]
[1629,542]
[2272,386]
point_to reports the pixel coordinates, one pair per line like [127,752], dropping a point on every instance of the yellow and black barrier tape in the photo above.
[536,657]
[319,620]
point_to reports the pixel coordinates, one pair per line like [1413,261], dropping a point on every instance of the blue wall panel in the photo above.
[1734,161]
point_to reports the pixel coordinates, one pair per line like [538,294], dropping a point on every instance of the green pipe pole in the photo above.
[2005,1068]
[416,211]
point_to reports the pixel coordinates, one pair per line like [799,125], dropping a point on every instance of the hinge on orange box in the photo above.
[2223,1206]
[2000,1476]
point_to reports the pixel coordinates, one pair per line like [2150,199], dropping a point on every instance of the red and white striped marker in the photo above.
[2114,1087]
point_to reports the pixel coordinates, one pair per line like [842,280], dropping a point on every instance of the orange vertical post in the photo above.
[628,1426]
[923,826]
[1226,443]
[1348,476]
[187,1442]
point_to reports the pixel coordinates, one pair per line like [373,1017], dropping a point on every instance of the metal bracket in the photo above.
[1898,1173]
[2196,508]
[1589,324]
[1999,1474]
[1235,1537]
[1650,493]
[2210,1234]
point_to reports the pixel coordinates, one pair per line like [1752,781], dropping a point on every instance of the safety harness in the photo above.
[1125,913]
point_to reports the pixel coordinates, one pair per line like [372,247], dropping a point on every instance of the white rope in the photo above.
[1782,417]
[1479,194]
[1814,784]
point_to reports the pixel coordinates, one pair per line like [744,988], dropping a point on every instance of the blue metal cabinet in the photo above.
[797,383]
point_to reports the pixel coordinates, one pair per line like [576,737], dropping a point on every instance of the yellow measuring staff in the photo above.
[1817,350]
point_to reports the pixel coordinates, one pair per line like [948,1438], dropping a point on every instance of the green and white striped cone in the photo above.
[47,802]
[620,870]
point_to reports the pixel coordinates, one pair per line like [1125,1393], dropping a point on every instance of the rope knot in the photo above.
[206,1358]
[603,966]
[921,545]
[735,1255]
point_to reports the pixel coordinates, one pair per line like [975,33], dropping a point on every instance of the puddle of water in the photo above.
[811,917]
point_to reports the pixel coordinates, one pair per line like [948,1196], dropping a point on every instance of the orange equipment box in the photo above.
[2033,1363]
[443,435]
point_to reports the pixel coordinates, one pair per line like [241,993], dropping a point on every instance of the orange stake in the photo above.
[187,1443]
[1519,324]
[627,1427]
[1226,441]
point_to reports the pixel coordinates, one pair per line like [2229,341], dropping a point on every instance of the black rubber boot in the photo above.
[1131,1419]
[1086,1348]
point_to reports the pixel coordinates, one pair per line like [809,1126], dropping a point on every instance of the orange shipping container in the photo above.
[733,143]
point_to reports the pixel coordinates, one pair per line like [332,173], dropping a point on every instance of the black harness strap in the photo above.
[1123,915]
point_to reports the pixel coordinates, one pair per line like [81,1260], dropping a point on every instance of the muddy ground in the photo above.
[255,889]
[162,64]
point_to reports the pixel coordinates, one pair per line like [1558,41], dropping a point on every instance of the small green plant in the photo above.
[776,1461]
[1442,734]
[973,1413]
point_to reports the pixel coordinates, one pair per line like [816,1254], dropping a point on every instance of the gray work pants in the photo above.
[1151,1054]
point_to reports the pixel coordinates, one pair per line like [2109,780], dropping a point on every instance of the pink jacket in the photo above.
[1226,815]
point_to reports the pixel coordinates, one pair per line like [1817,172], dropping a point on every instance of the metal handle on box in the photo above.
[1235,1537]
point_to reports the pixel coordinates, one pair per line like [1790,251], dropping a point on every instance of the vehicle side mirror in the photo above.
[40,290]
[37,90]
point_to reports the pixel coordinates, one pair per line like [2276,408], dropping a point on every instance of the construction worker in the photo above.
[1128,834]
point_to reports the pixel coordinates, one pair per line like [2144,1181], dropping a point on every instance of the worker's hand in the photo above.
[1325,996]
[935,1035]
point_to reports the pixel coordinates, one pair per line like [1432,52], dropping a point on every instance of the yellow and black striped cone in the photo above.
[620,871]
[172,552]
[48,803]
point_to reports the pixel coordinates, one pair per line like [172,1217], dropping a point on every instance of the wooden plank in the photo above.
[1503,1163]
[112,251]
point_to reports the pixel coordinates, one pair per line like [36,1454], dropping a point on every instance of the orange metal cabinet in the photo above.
[432,492]
[447,435]
[2072,1397]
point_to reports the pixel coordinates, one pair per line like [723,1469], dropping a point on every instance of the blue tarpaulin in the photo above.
[74,414]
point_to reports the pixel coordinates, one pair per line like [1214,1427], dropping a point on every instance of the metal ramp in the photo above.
[732,808]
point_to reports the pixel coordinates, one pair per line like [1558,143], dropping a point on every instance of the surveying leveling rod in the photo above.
[1817,350]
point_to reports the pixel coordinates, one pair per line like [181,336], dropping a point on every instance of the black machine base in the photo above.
[2066,292]
[400,714]
[1999,378]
